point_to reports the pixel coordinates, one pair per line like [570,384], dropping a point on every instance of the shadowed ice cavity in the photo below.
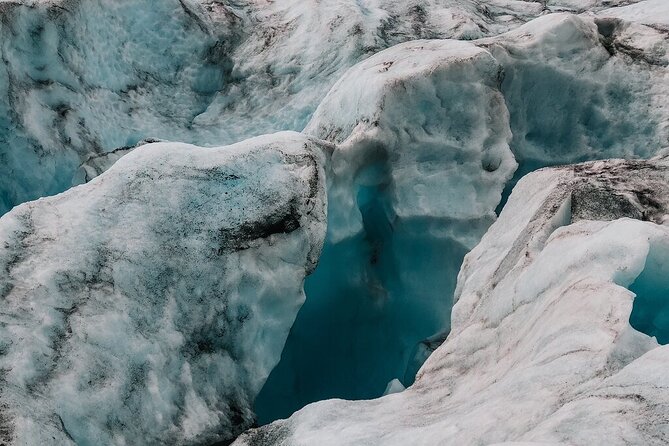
[384,289]
[650,312]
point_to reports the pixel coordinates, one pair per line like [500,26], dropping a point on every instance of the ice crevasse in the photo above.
[555,329]
[430,136]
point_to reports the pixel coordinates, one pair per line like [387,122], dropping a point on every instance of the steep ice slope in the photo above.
[149,305]
[79,78]
[550,333]
[425,146]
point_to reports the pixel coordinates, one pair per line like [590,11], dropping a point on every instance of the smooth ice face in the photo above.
[544,347]
[152,302]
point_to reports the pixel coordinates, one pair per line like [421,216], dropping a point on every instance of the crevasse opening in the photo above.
[376,300]
[650,311]
[361,323]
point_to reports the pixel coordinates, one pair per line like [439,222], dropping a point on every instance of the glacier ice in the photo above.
[419,147]
[95,165]
[82,78]
[544,346]
[580,88]
[149,305]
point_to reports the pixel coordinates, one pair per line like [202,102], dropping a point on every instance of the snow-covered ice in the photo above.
[149,305]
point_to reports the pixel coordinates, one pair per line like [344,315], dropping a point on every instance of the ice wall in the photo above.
[545,346]
[421,161]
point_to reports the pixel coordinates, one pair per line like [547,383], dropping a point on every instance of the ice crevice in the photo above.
[650,313]
[426,138]
[167,323]
[568,334]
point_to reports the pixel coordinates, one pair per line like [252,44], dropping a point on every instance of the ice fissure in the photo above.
[556,332]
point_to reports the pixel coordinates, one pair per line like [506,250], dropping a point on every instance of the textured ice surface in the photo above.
[95,165]
[426,134]
[425,138]
[149,305]
[81,78]
[581,88]
[548,344]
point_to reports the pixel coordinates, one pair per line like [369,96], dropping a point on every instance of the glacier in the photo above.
[408,196]
[182,293]
[149,305]
[82,78]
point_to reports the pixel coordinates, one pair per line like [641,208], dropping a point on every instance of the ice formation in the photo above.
[149,305]
[82,78]
[421,160]
[555,329]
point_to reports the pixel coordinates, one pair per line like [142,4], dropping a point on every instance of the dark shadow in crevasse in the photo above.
[650,312]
